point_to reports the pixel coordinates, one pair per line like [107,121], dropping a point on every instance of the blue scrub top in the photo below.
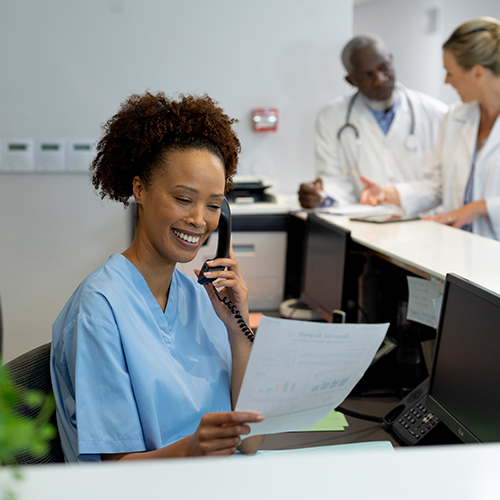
[128,377]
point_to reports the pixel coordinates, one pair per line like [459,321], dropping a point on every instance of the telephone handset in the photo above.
[224,241]
[223,245]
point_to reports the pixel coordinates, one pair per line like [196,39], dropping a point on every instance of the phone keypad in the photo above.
[418,420]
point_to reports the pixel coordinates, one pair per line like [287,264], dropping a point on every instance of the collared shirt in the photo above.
[385,117]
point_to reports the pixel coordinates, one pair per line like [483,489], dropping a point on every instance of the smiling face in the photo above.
[464,82]
[372,72]
[181,206]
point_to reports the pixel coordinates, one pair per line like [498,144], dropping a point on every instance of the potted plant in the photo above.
[19,434]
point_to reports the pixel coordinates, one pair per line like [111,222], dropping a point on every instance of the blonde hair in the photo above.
[476,42]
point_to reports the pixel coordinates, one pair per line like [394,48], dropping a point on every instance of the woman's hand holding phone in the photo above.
[233,289]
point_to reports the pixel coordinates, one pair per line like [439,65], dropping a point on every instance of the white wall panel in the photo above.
[417,53]
[66,66]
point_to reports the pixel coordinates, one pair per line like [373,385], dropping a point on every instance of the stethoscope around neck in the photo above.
[410,142]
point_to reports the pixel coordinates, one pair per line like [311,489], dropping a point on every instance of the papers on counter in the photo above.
[334,421]
[358,209]
[299,371]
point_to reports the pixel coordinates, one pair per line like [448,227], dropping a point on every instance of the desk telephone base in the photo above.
[411,420]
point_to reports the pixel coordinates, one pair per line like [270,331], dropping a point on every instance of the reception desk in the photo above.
[429,249]
[460,472]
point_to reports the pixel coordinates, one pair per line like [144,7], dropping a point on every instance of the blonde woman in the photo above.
[463,172]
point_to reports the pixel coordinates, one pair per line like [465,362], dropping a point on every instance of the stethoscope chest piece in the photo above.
[411,143]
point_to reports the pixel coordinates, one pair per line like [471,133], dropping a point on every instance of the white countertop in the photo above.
[434,248]
[460,472]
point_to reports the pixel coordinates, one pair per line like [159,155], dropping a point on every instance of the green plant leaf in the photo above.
[21,434]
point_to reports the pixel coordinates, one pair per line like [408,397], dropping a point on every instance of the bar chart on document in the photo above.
[287,386]
[299,371]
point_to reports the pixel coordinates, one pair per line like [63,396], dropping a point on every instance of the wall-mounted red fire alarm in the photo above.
[265,120]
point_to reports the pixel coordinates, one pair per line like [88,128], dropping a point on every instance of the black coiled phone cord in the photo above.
[361,416]
[244,328]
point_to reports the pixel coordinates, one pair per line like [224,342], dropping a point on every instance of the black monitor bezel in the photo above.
[304,296]
[435,406]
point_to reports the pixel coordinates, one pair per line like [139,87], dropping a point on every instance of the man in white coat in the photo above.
[382,131]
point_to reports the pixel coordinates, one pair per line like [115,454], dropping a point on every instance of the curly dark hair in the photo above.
[146,127]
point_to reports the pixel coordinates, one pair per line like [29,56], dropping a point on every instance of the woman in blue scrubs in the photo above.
[146,363]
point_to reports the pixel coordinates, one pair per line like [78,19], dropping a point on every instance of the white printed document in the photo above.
[299,371]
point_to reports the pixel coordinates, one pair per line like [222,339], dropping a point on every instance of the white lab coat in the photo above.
[448,168]
[382,158]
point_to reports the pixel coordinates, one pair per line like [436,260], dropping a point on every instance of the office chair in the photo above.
[32,371]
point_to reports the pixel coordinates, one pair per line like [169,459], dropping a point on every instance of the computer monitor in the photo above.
[326,251]
[465,378]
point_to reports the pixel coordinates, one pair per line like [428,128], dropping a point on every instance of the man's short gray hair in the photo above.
[359,42]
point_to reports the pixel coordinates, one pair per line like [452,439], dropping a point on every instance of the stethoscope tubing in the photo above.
[410,140]
[353,127]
